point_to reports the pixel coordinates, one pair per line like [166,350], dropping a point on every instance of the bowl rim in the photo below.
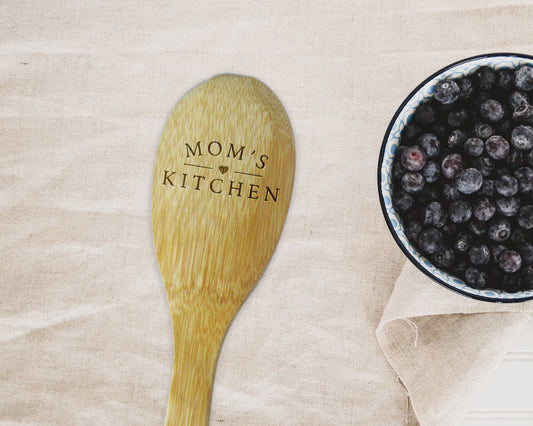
[406,252]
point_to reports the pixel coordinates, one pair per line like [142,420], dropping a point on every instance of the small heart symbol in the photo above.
[223,169]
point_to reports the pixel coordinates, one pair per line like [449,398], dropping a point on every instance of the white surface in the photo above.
[508,398]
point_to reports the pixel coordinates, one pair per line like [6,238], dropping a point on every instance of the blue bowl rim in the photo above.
[380,161]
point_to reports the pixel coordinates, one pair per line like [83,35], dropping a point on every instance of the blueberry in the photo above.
[496,251]
[484,164]
[508,206]
[428,194]
[526,251]
[495,275]
[435,214]
[456,138]
[402,201]
[450,192]
[460,211]
[525,217]
[505,79]
[397,171]
[523,114]
[522,137]
[425,114]
[413,182]
[476,278]
[504,126]
[485,78]
[511,282]
[523,78]
[499,229]
[413,229]
[447,91]
[458,117]
[430,240]
[409,133]
[484,209]
[497,147]
[463,243]
[413,158]
[483,130]
[487,189]
[430,144]
[528,157]
[492,110]
[506,185]
[524,175]
[527,280]
[466,88]
[443,258]
[520,235]
[477,227]
[459,267]
[517,98]
[469,181]
[510,261]
[449,230]
[479,254]
[431,171]
[514,159]
[474,146]
[452,165]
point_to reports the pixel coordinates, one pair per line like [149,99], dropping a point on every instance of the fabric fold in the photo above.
[443,346]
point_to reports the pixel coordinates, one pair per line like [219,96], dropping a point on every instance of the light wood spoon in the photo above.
[221,191]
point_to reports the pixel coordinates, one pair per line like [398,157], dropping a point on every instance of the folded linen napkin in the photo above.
[443,345]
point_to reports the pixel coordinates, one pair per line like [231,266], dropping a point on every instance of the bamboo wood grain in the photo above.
[221,191]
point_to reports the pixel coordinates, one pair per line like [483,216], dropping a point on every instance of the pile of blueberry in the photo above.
[463,178]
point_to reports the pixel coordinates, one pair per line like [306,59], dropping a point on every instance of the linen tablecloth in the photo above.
[339,330]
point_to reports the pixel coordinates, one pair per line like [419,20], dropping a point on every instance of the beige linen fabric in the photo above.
[86,88]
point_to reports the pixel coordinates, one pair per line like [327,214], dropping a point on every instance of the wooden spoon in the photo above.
[221,191]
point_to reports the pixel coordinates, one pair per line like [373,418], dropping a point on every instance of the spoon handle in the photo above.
[200,324]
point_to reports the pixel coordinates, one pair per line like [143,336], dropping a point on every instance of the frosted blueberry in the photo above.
[523,78]
[447,91]
[524,175]
[508,206]
[506,185]
[430,144]
[431,171]
[430,240]
[435,214]
[499,229]
[452,165]
[525,217]
[479,254]
[469,181]
[443,258]
[413,182]
[510,261]
[484,209]
[492,110]
[460,211]
[476,278]
[522,137]
[413,158]
[497,147]
[474,146]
